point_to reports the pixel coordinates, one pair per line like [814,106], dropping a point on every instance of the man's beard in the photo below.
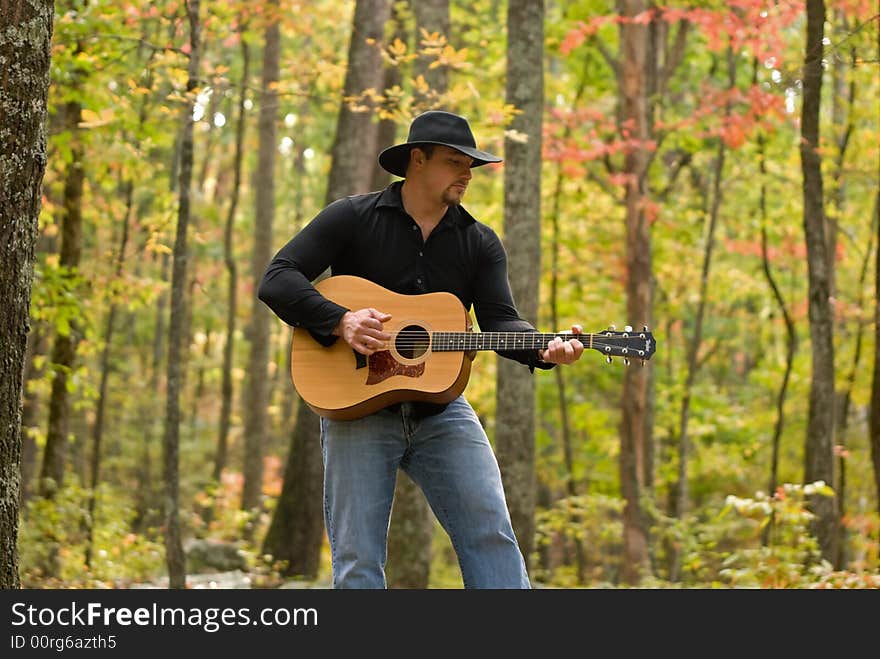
[451,198]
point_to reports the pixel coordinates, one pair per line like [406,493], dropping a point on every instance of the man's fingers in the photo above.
[381,316]
[564,351]
[368,345]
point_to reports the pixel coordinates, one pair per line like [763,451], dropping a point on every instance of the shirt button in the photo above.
[418,281]
[420,254]
[414,227]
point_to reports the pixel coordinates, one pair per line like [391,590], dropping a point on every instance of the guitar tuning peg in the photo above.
[628,328]
[612,327]
[626,361]
[608,359]
[643,362]
[644,328]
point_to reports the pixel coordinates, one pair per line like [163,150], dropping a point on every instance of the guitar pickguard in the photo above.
[382,366]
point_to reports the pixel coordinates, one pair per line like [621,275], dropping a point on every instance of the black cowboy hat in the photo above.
[435,127]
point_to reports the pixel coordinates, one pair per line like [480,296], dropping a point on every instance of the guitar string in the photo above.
[596,345]
[416,340]
[634,333]
[409,339]
[618,335]
[492,336]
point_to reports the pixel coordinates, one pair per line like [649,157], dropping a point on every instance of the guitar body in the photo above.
[338,383]
[429,355]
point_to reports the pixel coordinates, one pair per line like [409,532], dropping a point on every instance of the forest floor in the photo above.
[234,579]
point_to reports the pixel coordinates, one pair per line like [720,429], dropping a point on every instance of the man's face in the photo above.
[447,172]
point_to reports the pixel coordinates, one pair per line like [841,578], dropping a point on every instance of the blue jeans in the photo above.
[449,457]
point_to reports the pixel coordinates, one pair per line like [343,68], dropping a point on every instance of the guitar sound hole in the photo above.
[412,342]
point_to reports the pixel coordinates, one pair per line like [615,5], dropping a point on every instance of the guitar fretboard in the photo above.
[467,341]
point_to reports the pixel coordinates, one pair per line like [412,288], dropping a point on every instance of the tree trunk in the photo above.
[791,342]
[101,403]
[635,432]
[148,492]
[296,532]
[682,499]
[64,349]
[843,124]
[386,131]
[147,495]
[24,84]
[559,373]
[256,391]
[409,537]
[174,557]
[295,520]
[845,400]
[232,272]
[355,144]
[38,342]
[515,406]
[874,417]
[432,16]
[412,522]
[818,449]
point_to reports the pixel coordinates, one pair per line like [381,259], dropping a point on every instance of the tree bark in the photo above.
[565,434]
[64,348]
[791,342]
[296,532]
[101,403]
[232,272]
[682,499]
[818,449]
[356,138]
[174,557]
[24,83]
[386,131]
[38,345]
[843,124]
[874,417]
[432,16]
[515,395]
[296,520]
[256,392]
[412,522]
[635,432]
[409,537]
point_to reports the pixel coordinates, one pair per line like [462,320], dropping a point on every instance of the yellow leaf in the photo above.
[397,48]
[421,84]
[93,119]
[159,248]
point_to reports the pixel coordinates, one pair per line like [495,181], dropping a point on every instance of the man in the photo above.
[413,237]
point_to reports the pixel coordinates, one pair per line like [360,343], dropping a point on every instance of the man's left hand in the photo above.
[561,351]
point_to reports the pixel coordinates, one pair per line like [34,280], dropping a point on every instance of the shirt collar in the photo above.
[392,198]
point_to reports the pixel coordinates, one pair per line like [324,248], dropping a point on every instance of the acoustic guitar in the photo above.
[429,355]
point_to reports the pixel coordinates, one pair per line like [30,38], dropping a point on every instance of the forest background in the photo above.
[678,188]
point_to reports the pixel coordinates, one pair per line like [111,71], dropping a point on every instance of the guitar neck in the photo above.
[469,341]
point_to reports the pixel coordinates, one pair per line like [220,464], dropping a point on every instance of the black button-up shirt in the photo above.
[372,236]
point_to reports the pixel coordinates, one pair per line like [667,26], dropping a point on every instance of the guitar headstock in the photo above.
[629,344]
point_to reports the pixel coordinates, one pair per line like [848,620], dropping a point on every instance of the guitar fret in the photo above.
[468,341]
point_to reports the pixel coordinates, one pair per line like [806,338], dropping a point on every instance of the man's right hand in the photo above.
[362,330]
